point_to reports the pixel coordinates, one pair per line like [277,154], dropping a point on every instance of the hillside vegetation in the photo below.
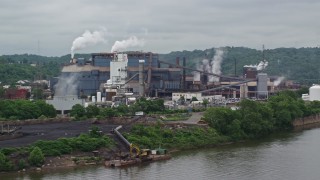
[300,65]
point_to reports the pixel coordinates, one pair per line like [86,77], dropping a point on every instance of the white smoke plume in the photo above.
[88,39]
[196,74]
[67,85]
[210,67]
[216,65]
[278,80]
[133,41]
[206,66]
[261,66]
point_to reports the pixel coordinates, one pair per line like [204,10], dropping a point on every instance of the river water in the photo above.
[284,156]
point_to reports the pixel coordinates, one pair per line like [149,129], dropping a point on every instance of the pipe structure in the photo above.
[221,87]
[141,78]
[121,137]
[227,77]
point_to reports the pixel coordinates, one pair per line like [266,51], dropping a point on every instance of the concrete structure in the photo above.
[189,95]
[262,87]
[65,103]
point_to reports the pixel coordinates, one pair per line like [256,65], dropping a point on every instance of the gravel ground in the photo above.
[52,131]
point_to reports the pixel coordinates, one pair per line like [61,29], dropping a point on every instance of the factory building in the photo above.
[86,77]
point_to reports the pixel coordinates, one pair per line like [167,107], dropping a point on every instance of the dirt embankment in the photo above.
[313,119]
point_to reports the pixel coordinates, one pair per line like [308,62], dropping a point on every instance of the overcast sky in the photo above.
[48,27]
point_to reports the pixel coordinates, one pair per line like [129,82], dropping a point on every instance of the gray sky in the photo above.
[165,25]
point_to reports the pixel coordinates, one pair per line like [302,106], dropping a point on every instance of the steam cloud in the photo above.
[262,65]
[213,66]
[67,85]
[278,81]
[216,65]
[88,39]
[133,41]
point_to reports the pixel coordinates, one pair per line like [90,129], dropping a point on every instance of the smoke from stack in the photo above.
[261,66]
[278,81]
[213,67]
[216,65]
[88,39]
[67,85]
[132,41]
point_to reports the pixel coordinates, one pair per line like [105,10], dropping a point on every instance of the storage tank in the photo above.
[98,96]
[314,93]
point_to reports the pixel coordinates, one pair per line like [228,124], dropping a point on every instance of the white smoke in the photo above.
[216,65]
[210,67]
[88,39]
[206,66]
[278,81]
[67,85]
[261,66]
[196,74]
[132,41]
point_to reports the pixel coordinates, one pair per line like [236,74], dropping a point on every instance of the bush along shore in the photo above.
[253,120]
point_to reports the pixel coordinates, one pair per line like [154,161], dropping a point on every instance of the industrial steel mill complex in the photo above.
[107,75]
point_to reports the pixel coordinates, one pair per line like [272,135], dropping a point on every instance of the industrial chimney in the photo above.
[141,78]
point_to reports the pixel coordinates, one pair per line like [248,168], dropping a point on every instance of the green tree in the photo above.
[220,118]
[2,92]
[36,157]
[78,111]
[92,111]
[194,99]
[27,109]
[205,102]
[286,107]
[37,93]
[182,100]
[256,118]
[107,112]
[46,109]
[5,164]
[95,132]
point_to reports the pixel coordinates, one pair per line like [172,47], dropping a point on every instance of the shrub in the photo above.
[5,164]
[53,148]
[22,164]
[36,157]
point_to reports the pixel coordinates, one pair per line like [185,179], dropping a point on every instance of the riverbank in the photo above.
[175,137]
[306,121]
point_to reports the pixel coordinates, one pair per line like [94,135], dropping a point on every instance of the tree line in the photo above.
[253,120]
[25,109]
[257,119]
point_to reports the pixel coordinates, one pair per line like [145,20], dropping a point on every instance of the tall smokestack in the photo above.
[184,73]
[141,78]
